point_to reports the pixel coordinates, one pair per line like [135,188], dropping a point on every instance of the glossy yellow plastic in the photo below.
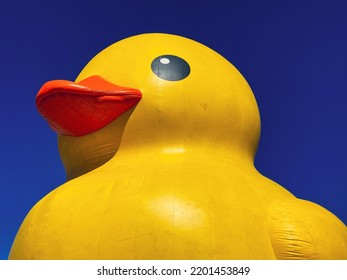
[174,177]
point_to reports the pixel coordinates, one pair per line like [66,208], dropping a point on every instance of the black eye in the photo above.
[170,67]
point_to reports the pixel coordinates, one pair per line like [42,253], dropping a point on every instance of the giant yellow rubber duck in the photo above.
[158,136]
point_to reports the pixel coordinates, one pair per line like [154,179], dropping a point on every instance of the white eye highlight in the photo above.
[164,60]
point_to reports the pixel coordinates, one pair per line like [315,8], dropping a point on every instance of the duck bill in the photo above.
[76,109]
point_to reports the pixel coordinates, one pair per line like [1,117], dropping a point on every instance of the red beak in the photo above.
[76,109]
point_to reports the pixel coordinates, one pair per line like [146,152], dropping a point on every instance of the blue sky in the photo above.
[292,53]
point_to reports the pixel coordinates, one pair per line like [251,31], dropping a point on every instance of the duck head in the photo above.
[152,90]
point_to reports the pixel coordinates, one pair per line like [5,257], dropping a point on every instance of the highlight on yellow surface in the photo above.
[158,136]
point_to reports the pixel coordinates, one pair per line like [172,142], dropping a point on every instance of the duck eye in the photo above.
[170,67]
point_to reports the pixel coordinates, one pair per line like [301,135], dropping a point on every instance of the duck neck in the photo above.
[156,158]
[121,143]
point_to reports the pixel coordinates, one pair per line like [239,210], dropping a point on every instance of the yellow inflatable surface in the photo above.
[158,136]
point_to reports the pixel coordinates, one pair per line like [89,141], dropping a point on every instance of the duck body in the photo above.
[188,206]
[178,180]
